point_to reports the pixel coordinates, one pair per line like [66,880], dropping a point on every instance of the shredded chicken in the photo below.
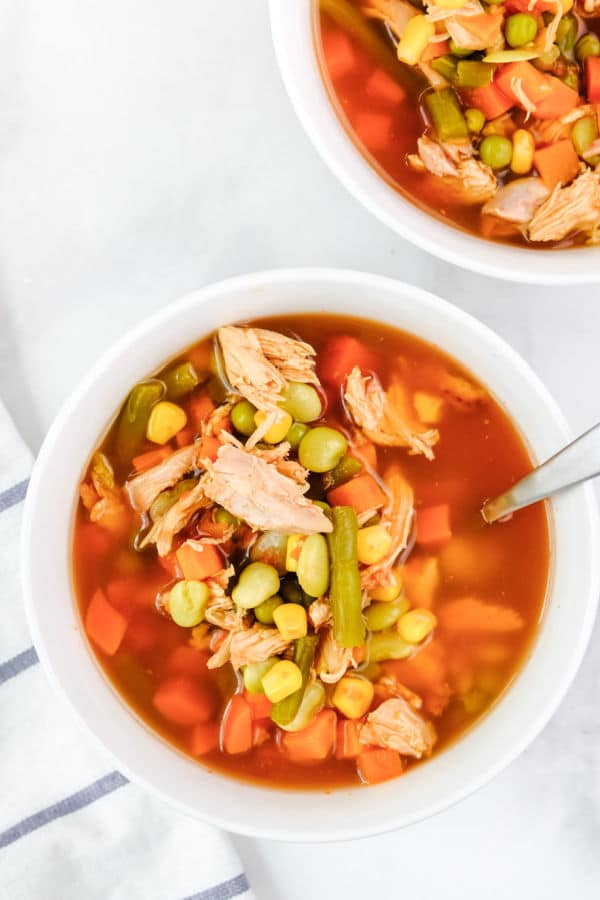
[518,90]
[517,201]
[395,725]
[255,491]
[398,517]
[176,518]
[248,370]
[569,209]
[102,498]
[476,38]
[395,13]
[589,7]
[254,645]
[388,686]
[319,613]
[470,180]
[293,358]
[376,413]
[144,488]
[438,14]
[222,654]
[220,610]
[333,661]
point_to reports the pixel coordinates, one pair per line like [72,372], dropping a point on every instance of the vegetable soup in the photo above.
[483,113]
[279,555]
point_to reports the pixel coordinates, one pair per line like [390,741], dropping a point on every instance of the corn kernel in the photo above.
[278,429]
[567,6]
[373,543]
[166,419]
[523,150]
[290,619]
[283,679]
[428,407]
[292,553]
[414,626]
[391,591]
[353,696]
[414,39]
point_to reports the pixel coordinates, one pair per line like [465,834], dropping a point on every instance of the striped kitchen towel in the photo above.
[71,827]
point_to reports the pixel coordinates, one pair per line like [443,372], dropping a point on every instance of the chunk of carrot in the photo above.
[379,765]
[200,407]
[313,743]
[557,164]
[198,561]
[339,53]
[365,452]
[169,564]
[204,737]
[381,86]
[470,614]
[184,701]
[151,458]
[259,704]
[433,524]
[559,101]
[237,726]
[532,82]
[361,493]
[592,78]
[209,447]
[490,100]
[342,352]
[186,660]
[421,576]
[185,436]
[104,624]
[373,129]
[435,49]
[347,745]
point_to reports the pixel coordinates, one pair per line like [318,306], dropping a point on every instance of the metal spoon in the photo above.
[573,464]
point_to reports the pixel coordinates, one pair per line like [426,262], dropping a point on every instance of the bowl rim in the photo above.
[239,819]
[292,31]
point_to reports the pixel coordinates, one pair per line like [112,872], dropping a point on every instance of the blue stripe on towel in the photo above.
[18,664]
[13,495]
[224,891]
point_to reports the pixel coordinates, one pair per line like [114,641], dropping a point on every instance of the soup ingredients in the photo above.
[187,603]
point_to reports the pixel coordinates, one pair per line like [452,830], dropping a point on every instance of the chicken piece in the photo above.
[376,413]
[479,37]
[332,660]
[217,423]
[222,654]
[176,518]
[144,488]
[104,501]
[517,201]
[589,8]
[319,613]
[249,371]
[254,645]
[467,179]
[220,610]
[395,13]
[388,686]
[398,518]
[569,209]
[256,492]
[440,14]
[294,359]
[395,725]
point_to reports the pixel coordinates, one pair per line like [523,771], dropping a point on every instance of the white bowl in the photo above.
[147,758]
[292,23]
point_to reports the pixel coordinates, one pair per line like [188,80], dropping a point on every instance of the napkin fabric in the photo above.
[71,826]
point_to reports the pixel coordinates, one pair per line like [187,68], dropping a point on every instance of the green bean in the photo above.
[166,499]
[216,390]
[473,74]
[587,45]
[347,468]
[380,616]
[583,135]
[312,702]
[388,645]
[187,603]
[283,712]
[270,547]
[566,35]
[257,583]
[253,674]
[520,29]
[456,50]
[180,380]
[322,448]
[131,430]
[264,611]
[496,151]
[446,115]
[475,120]
[242,417]
[313,566]
[302,402]
[295,434]
[345,590]
[445,66]
[571,78]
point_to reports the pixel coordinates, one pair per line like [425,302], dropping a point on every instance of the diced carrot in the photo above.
[373,129]
[361,493]
[379,765]
[342,352]
[262,731]
[490,100]
[347,745]
[132,593]
[426,674]
[470,614]
[200,407]
[359,654]
[557,164]
[237,726]
[259,704]
[151,458]
[382,87]
[592,78]
[144,633]
[421,576]
[184,701]
[532,82]
[433,524]
[209,447]
[204,737]
[313,743]
[198,561]
[435,49]
[186,660]
[104,624]
[185,436]
[483,26]
[559,101]
[169,564]
[339,54]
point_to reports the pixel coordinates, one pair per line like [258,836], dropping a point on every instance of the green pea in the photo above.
[313,566]
[545,61]
[302,402]
[584,133]
[566,34]
[257,583]
[587,45]
[475,120]
[270,547]
[520,29]
[264,611]
[496,151]
[224,517]
[321,449]
[295,434]
[187,603]
[388,645]
[455,50]
[253,675]
[379,616]
[242,417]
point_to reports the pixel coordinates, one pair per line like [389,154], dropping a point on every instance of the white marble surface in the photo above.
[146,148]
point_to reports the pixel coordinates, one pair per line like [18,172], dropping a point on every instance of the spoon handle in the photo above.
[577,462]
